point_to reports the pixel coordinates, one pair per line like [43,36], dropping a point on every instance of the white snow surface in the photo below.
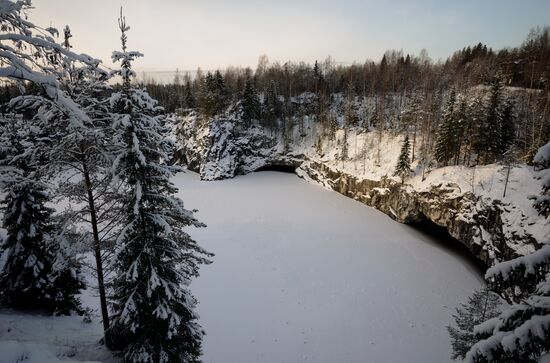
[305,274]
[300,274]
[34,338]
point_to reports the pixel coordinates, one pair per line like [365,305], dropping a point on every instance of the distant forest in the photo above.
[422,87]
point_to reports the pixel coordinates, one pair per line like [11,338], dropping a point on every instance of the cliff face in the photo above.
[481,224]
[491,228]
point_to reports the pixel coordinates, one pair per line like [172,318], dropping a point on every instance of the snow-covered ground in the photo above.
[300,274]
[305,274]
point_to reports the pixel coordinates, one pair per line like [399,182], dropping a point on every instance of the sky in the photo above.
[212,34]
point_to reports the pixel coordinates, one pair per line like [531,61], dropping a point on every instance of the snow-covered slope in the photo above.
[468,202]
[36,338]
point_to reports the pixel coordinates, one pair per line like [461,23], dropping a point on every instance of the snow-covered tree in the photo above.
[507,126]
[542,161]
[250,102]
[344,151]
[490,136]
[412,116]
[83,154]
[350,119]
[29,53]
[521,333]
[403,167]
[33,60]
[189,97]
[481,306]
[445,144]
[153,318]
[272,106]
[40,271]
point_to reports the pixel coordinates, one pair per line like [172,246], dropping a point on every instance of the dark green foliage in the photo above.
[189,99]
[153,319]
[37,274]
[507,127]
[214,95]
[490,132]
[403,167]
[273,107]
[349,113]
[446,144]
[542,162]
[482,305]
[40,271]
[250,103]
[344,153]
[521,333]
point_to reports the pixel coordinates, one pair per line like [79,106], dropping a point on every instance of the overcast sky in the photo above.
[212,34]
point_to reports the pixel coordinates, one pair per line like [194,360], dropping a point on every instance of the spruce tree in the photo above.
[461,124]
[349,114]
[273,105]
[507,127]
[542,162]
[445,144]
[521,333]
[39,270]
[491,128]
[482,305]
[250,103]
[344,152]
[155,259]
[403,167]
[84,150]
[189,98]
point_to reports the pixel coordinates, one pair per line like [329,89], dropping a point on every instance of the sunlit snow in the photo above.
[305,274]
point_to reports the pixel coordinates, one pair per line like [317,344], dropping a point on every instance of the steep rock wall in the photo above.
[491,230]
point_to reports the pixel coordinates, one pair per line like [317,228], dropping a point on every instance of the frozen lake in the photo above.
[305,274]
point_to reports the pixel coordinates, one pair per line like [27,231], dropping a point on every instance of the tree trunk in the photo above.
[97,251]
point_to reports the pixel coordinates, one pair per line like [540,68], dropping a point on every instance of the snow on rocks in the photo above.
[467,201]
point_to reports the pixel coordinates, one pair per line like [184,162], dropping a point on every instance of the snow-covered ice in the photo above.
[305,274]
[301,273]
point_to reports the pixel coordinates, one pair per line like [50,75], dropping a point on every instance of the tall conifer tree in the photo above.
[155,259]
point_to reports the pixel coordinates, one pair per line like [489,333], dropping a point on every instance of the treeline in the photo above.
[526,66]
[400,90]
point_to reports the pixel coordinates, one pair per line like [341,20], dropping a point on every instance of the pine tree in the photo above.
[273,105]
[189,98]
[463,122]
[344,152]
[349,115]
[412,116]
[507,127]
[221,94]
[481,306]
[30,54]
[403,168]
[84,149]
[445,145]
[542,162]
[476,119]
[155,259]
[39,271]
[490,135]
[32,59]
[521,333]
[250,103]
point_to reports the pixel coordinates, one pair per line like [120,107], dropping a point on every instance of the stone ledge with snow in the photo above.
[467,201]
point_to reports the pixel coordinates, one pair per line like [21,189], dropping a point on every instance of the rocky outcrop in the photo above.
[491,230]
[476,222]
